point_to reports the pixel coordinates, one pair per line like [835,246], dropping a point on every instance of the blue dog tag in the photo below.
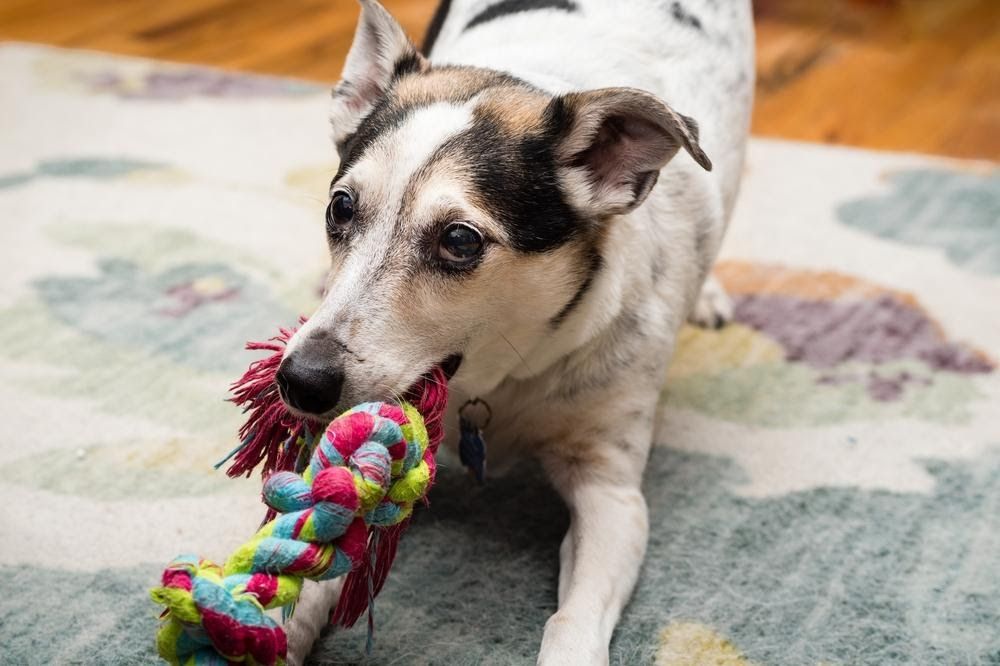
[471,445]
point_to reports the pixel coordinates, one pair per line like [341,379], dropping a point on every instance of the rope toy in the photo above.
[341,512]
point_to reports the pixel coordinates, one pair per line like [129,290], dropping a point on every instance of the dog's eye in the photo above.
[340,211]
[460,243]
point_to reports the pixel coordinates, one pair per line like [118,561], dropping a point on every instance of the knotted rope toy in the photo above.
[338,504]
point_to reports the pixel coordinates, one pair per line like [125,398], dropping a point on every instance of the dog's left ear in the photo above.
[612,144]
[381,52]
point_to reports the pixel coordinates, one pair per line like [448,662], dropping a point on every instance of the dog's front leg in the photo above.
[604,547]
[312,614]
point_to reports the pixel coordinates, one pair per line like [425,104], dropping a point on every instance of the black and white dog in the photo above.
[528,208]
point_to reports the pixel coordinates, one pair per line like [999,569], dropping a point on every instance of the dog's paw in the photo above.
[312,614]
[297,652]
[713,308]
[569,641]
[301,631]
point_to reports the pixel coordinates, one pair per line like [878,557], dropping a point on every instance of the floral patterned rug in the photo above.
[826,482]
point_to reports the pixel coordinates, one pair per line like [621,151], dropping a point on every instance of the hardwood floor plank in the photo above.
[912,76]
[921,75]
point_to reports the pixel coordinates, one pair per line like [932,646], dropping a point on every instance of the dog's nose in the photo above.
[307,388]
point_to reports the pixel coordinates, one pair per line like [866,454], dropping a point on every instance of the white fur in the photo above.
[385,171]
[379,41]
[584,394]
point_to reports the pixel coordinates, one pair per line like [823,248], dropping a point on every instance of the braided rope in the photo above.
[367,470]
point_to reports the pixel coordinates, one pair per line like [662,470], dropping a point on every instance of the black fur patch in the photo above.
[508,7]
[594,265]
[515,177]
[383,118]
[408,64]
[434,29]
[388,115]
[682,16]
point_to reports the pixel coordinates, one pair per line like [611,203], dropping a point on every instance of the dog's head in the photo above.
[465,219]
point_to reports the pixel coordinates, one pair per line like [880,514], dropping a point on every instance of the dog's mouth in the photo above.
[434,381]
[450,365]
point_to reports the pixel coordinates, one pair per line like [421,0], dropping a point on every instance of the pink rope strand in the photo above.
[273,438]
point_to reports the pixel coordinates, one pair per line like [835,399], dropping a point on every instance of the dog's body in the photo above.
[585,265]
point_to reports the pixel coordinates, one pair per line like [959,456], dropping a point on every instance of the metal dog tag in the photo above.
[471,444]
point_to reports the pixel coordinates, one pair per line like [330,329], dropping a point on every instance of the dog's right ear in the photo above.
[380,53]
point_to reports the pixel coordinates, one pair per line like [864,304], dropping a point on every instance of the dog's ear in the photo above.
[612,143]
[380,53]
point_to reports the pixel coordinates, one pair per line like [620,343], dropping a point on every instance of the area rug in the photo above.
[825,486]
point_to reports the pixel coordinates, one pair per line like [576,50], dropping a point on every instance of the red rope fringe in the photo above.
[271,438]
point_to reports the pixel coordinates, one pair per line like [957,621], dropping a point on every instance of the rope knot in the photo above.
[367,470]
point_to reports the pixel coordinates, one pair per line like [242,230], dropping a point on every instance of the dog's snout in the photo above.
[309,388]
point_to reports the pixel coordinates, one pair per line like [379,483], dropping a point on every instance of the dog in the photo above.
[534,203]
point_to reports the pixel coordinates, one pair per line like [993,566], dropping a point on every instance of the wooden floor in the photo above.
[920,75]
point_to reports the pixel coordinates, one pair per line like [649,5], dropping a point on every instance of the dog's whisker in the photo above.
[396,395]
[309,197]
[434,381]
[511,345]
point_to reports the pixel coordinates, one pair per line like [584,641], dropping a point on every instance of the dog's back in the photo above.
[697,55]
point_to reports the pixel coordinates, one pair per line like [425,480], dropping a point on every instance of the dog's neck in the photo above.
[614,285]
